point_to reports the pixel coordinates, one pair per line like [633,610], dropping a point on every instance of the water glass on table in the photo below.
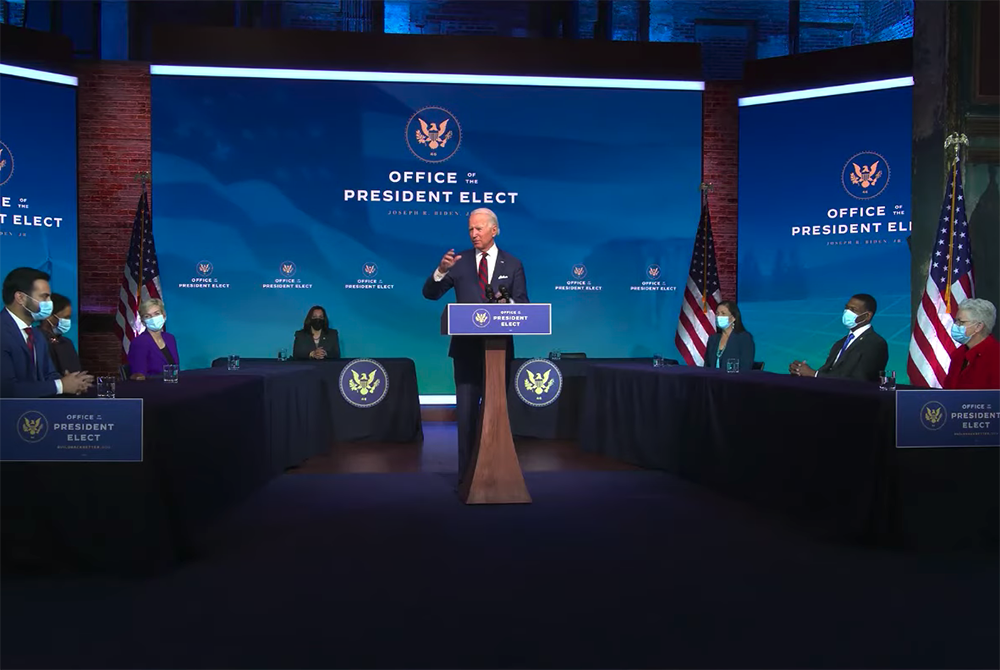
[234,362]
[170,373]
[106,387]
[283,354]
[555,355]
[732,365]
[887,380]
[657,361]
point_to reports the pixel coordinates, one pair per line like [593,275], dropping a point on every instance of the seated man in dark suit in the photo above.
[26,368]
[861,354]
[474,274]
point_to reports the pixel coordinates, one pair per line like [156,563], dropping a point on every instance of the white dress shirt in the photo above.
[491,264]
[22,326]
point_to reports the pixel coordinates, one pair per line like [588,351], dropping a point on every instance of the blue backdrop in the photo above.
[818,224]
[257,212]
[38,181]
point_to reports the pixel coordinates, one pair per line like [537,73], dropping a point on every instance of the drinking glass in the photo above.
[555,355]
[732,365]
[887,380]
[283,354]
[657,361]
[234,362]
[106,387]
[170,373]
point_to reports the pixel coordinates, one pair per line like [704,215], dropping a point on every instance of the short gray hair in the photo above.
[981,311]
[152,302]
[488,212]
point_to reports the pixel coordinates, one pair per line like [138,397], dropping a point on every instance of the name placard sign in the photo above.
[936,418]
[498,319]
[102,430]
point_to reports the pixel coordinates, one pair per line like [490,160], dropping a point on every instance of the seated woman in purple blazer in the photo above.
[154,347]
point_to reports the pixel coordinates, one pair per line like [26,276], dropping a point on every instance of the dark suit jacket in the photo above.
[863,360]
[740,346]
[303,346]
[63,353]
[144,357]
[464,278]
[19,378]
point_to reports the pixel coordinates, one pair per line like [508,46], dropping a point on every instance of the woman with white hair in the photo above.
[976,362]
[154,347]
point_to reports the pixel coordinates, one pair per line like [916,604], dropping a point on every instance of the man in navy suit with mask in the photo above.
[26,369]
[475,274]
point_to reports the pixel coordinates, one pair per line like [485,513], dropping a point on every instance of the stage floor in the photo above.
[364,559]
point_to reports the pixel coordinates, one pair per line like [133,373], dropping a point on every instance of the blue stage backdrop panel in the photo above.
[257,212]
[38,176]
[824,213]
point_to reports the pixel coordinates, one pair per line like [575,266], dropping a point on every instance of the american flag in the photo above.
[701,294]
[949,282]
[141,263]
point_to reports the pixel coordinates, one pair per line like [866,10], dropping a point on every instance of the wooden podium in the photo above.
[494,476]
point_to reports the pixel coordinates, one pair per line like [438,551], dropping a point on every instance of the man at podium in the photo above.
[481,274]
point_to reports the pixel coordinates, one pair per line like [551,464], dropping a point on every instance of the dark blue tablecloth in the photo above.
[819,449]
[209,441]
[561,419]
[395,419]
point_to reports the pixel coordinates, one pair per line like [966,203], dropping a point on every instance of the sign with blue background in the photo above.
[38,181]
[273,195]
[538,382]
[71,429]
[364,383]
[936,418]
[499,319]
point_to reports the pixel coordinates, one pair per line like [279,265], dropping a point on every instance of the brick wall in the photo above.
[113,145]
[720,166]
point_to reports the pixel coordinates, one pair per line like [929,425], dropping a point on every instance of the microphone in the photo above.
[490,296]
[504,293]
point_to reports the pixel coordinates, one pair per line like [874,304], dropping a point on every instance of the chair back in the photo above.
[758,365]
[125,371]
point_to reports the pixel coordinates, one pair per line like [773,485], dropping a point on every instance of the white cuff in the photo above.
[438,275]
[58,387]
[816,374]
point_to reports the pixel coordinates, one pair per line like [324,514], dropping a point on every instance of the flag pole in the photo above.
[142,177]
[955,140]
[705,188]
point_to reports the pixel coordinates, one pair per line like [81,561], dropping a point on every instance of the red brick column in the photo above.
[113,145]
[720,167]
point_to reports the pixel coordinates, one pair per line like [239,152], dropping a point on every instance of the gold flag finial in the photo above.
[956,141]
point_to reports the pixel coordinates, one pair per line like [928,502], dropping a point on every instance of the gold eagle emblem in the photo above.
[578,271]
[866,175]
[369,269]
[287,268]
[3,162]
[481,317]
[434,135]
[30,427]
[363,384]
[538,382]
[932,416]
[204,268]
[653,272]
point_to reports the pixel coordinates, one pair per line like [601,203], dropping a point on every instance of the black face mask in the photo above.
[316,323]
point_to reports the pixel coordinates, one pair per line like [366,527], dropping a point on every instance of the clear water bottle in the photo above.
[887,380]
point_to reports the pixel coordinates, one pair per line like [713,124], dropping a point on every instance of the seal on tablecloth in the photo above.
[364,382]
[538,382]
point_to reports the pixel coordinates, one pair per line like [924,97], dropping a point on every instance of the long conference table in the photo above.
[821,450]
[210,441]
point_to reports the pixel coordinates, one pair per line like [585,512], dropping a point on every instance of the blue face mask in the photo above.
[44,310]
[850,319]
[958,334]
[722,322]
[155,323]
[64,325]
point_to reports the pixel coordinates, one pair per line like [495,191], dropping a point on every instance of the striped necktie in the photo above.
[484,276]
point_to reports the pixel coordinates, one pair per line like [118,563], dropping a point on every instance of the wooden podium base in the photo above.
[494,476]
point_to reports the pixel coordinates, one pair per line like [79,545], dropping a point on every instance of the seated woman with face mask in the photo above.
[731,341]
[61,350]
[154,347]
[316,341]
